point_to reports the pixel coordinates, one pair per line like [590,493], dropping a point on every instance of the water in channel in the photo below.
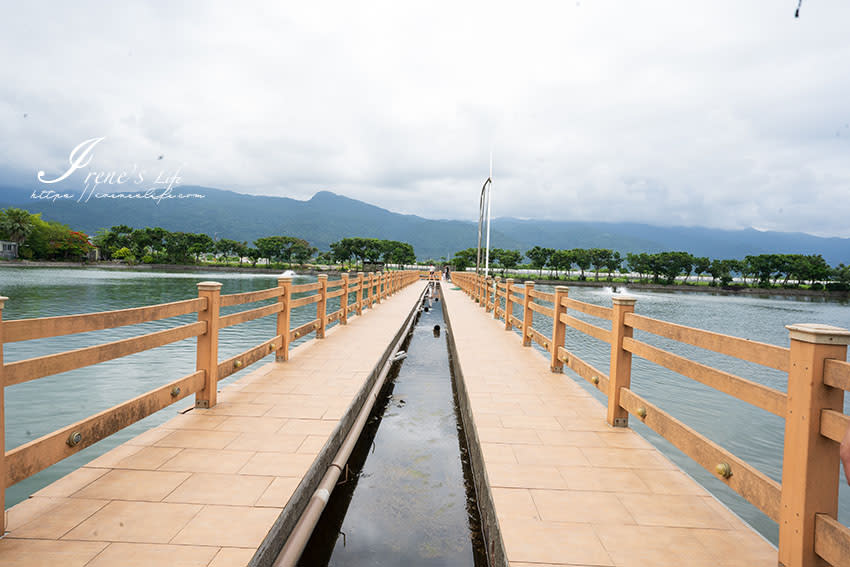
[409,497]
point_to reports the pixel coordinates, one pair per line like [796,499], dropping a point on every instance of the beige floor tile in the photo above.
[222,489]
[626,458]
[674,511]
[149,486]
[195,419]
[141,522]
[207,460]
[147,554]
[534,541]
[59,520]
[263,424]
[514,503]
[581,506]
[308,427]
[239,409]
[279,492]
[571,438]
[313,444]
[295,411]
[511,436]
[278,464]
[150,436]
[246,527]
[110,458]
[233,557]
[507,475]
[603,479]
[624,438]
[25,511]
[498,453]
[558,455]
[639,546]
[749,548]
[72,482]
[47,553]
[541,422]
[670,482]
[267,442]
[148,458]
[197,439]
[241,397]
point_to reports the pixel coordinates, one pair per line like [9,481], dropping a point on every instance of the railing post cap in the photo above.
[209,286]
[509,280]
[3,300]
[818,334]
[529,282]
[624,300]
[322,276]
[284,280]
[562,288]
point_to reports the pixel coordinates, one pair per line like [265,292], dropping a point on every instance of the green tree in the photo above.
[561,260]
[16,224]
[539,258]
[581,258]
[464,259]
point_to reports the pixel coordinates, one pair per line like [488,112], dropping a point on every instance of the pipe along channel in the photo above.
[403,491]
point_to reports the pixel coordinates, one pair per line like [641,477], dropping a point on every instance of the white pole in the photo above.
[489,195]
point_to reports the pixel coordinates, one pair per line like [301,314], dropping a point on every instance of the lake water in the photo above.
[38,407]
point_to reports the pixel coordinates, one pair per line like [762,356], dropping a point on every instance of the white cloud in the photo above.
[719,113]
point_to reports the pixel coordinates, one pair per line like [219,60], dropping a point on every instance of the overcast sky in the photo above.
[726,114]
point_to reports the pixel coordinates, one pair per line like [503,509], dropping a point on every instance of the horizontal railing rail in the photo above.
[28,459]
[804,504]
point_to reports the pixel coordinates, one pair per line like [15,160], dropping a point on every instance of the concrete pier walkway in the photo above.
[204,488]
[570,490]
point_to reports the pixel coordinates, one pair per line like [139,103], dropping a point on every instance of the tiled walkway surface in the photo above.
[568,489]
[204,488]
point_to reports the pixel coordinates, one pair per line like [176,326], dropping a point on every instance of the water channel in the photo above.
[408,498]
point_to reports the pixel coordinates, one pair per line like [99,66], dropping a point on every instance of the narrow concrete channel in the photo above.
[407,496]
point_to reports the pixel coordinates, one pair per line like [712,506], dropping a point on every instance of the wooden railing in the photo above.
[805,504]
[355,293]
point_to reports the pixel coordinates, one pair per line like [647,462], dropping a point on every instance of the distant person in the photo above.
[844,454]
[431,270]
[447,273]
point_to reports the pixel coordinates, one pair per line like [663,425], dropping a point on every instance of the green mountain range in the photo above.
[328,217]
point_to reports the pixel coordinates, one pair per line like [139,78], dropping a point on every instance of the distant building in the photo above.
[8,250]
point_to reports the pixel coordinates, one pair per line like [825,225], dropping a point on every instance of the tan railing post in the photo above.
[322,306]
[496,297]
[285,298]
[371,289]
[207,350]
[343,300]
[620,368]
[3,300]
[509,306]
[360,284]
[379,292]
[810,461]
[527,314]
[559,328]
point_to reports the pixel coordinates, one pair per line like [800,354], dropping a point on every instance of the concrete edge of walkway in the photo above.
[274,541]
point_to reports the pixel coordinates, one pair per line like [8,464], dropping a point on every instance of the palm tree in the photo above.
[17,224]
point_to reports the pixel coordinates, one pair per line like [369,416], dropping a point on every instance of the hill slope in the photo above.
[328,217]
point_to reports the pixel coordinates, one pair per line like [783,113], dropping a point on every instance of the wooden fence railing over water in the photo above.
[355,292]
[805,504]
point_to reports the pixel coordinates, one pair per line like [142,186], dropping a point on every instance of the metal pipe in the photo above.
[300,535]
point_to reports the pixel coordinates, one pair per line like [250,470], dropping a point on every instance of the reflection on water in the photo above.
[409,499]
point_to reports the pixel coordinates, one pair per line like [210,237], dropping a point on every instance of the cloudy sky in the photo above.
[718,113]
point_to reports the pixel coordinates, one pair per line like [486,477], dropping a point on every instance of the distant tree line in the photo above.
[42,240]
[763,270]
